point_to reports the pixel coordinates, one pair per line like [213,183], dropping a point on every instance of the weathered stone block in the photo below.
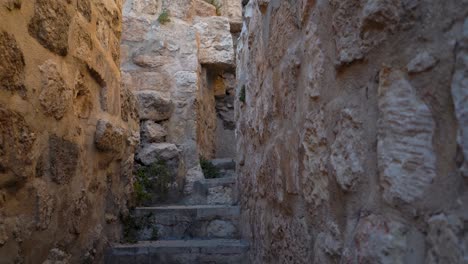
[16,143]
[149,7]
[151,153]
[63,159]
[460,96]
[153,132]
[406,157]
[84,6]
[216,47]
[128,102]
[422,62]
[11,64]
[380,240]
[152,106]
[50,25]
[55,96]
[109,137]
[232,9]
[203,9]
[135,29]
[347,153]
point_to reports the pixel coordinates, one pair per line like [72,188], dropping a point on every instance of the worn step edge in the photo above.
[188,207]
[209,246]
[228,181]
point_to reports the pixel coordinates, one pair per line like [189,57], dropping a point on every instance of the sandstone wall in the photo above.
[351,131]
[67,130]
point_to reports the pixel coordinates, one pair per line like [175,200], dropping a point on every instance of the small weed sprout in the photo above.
[209,170]
[164,17]
[152,181]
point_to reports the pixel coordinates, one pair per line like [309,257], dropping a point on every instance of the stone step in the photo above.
[186,222]
[219,251]
[224,164]
[221,191]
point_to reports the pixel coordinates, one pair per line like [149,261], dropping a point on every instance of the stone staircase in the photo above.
[207,232]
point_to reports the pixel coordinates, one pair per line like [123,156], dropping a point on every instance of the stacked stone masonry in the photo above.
[67,130]
[182,72]
[351,131]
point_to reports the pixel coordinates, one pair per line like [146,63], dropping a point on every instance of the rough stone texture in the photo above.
[347,153]
[422,62]
[63,159]
[16,142]
[159,151]
[232,9]
[152,106]
[152,132]
[460,95]
[347,115]
[406,157]
[55,96]
[109,137]
[12,64]
[55,186]
[216,45]
[171,61]
[50,25]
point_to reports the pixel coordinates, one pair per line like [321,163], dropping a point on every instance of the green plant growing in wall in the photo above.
[242,94]
[164,17]
[153,180]
[209,170]
[132,225]
[216,4]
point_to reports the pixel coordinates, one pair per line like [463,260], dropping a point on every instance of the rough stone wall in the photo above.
[351,131]
[169,66]
[67,130]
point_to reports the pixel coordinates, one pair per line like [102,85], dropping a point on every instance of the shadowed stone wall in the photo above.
[67,130]
[351,136]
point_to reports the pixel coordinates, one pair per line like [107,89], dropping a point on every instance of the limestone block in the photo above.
[84,6]
[82,102]
[220,195]
[379,240]
[11,65]
[347,154]
[406,157]
[203,9]
[460,96]
[151,61]
[109,137]
[354,23]
[178,8]
[128,105]
[221,229]
[152,106]
[148,7]
[45,204]
[135,28]
[422,62]
[445,239]
[16,143]
[50,25]
[55,96]
[216,47]
[153,132]
[63,157]
[232,9]
[151,153]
